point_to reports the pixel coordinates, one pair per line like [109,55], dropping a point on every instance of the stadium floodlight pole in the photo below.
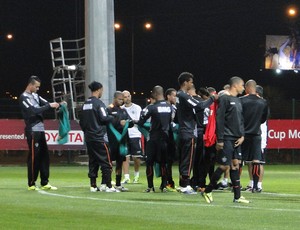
[100,46]
[132,55]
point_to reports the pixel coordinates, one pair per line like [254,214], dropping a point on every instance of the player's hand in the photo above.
[54,105]
[219,145]
[239,141]
[123,122]
[63,103]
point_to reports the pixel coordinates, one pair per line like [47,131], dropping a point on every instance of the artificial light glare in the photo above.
[117,26]
[148,25]
[9,36]
[278,71]
[292,11]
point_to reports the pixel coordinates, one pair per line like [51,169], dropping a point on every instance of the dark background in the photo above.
[214,40]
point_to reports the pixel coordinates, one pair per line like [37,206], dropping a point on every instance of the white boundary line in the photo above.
[171,203]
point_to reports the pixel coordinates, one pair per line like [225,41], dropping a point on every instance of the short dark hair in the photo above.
[234,80]
[117,93]
[169,91]
[211,89]
[203,92]
[94,86]
[183,77]
[33,79]
[260,90]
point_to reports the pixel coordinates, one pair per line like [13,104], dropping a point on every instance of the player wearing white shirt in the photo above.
[134,145]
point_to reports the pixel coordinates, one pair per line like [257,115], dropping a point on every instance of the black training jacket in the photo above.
[255,112]
[161,117]
[230,122]
[187,106]
[93,119]
[118,114]
[32,115]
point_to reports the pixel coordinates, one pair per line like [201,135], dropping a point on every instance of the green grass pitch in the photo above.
[73,206]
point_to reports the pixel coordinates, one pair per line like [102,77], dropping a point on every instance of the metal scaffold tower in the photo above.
[68,79]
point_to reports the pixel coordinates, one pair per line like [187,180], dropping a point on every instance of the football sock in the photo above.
[235,180]
[118,180]
[163,175]
[224,181]
[240,169]
[149,172]
[255,174]
[214,180]
[250,183]
[259,185]
[93,182]
[184,181]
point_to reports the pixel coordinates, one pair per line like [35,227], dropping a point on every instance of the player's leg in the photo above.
[150,150]
[126,170]
[256,162]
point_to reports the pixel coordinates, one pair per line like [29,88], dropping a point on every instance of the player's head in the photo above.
[118,98]
[34,84]
[170,95]
[203,92]
[236,85]
[96,88]
[127,97]
[250,87]
[186,80]
[158,92]
[260,90]
[211,90]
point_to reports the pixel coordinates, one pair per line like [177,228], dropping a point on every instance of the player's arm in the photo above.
[220,122]
[104,116]
[27,105]
[193,103]
[128,118]
[145,115]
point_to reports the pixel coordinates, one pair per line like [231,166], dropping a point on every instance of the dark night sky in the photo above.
[212,39]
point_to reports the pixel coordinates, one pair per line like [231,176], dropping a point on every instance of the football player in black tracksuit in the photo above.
[120,118]
[186,108]
[161,117]
[230,136]
[199,150]
[32,107]
[255,112]
[92,121]
[170,96]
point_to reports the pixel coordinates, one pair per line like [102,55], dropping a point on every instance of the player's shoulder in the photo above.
[181,93]
[136,106]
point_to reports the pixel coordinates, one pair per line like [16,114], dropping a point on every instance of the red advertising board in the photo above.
[12,135]
[282,134]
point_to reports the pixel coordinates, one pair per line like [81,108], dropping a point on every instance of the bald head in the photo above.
[127,98]
[126,92]
[158,92]
[250,87]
